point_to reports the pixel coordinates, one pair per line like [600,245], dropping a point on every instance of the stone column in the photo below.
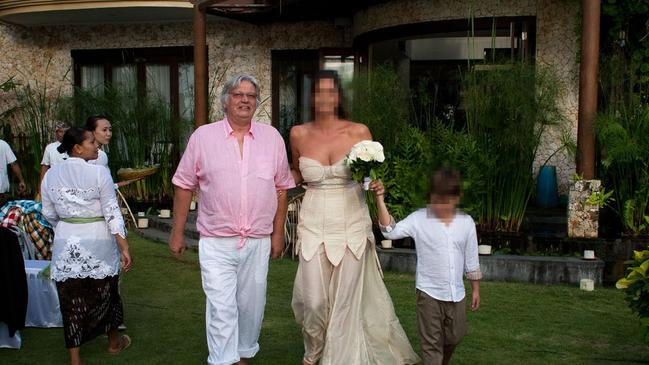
[583,218]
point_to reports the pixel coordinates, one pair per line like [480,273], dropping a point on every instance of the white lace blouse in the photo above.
[77,189]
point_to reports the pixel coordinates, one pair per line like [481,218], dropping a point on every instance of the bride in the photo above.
[339,297]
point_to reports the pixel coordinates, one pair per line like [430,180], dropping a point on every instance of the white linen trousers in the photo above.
[234,282]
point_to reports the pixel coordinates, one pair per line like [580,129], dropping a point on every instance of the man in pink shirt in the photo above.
[240,170]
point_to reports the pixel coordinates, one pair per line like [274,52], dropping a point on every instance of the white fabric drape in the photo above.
[186,101]
[158,82]
[125,77]
[92,78]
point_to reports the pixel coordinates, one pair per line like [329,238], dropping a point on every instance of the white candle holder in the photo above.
[587,284]
[143,223]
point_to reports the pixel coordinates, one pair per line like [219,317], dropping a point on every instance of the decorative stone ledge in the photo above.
[541,269]
[528,269]
[583,217]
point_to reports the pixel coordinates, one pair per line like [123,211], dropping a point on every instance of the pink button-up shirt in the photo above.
[238,195]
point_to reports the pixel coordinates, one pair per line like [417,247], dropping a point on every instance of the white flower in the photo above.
[367,151]
[380,157]
[372,147]
[365,156]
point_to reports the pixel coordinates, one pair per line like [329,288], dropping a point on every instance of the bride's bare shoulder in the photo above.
[300,130]
[358,130]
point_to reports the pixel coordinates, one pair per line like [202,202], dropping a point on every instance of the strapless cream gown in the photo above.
[339,297]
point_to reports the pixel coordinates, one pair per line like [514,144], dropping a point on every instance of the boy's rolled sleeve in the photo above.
[471,259]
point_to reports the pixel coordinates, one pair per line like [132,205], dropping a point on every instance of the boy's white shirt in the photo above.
[444,253]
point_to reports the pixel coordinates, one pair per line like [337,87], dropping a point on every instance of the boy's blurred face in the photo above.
[444,205]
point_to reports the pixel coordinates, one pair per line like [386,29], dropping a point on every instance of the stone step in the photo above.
[162,237]
[165,225]
[160,229]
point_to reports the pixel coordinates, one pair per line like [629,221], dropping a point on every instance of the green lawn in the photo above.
[517,324]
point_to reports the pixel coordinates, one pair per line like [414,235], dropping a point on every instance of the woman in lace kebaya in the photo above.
[89,246]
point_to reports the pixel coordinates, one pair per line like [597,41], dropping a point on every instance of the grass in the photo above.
[517,323]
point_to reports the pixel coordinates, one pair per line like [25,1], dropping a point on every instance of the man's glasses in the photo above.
[239,96]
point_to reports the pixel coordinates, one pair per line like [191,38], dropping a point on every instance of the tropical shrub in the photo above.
[624,145]
[636,288]
[406,171]
[507,111]
[34,111]
[144,134]
[380,101]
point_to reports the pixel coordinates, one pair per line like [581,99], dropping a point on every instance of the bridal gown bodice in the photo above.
[333,212]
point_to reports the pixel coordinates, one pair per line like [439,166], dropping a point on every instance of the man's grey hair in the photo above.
[234,83]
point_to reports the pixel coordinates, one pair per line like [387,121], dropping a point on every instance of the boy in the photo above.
[447,247]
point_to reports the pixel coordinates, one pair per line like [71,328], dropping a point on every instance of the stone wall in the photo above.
[556,47]
[42,54]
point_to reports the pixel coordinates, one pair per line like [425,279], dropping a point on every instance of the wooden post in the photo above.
[201,78]
[588,88]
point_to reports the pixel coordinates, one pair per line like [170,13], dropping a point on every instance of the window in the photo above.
[166,73]
[431,57]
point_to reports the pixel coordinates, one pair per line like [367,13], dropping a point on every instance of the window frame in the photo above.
[140,57]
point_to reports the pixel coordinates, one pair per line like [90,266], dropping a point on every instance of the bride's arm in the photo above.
[295,138]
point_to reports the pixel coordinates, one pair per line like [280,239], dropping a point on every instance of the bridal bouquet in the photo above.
[364,160]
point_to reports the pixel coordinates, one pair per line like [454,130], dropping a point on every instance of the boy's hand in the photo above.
[377,187]
[475,301]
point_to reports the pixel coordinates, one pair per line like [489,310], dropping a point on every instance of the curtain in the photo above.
[158,82]
[92,78]
[186,101]
[125,78]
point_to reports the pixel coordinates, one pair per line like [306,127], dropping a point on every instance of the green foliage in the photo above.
[507,108]
[625,163]
[601,198]
[144,133]
[406,171]
[507,111]
[636,287]
[625,56]
[381,102]
[34,111]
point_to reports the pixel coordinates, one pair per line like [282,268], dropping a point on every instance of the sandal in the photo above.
[124,343]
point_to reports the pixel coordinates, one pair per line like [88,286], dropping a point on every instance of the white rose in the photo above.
[365,156]
[371,148]
[380,157]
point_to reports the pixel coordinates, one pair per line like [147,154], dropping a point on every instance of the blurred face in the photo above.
[103,132]
[59,133]
[242,102]
[444,205]
[87,149]
[325,99]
